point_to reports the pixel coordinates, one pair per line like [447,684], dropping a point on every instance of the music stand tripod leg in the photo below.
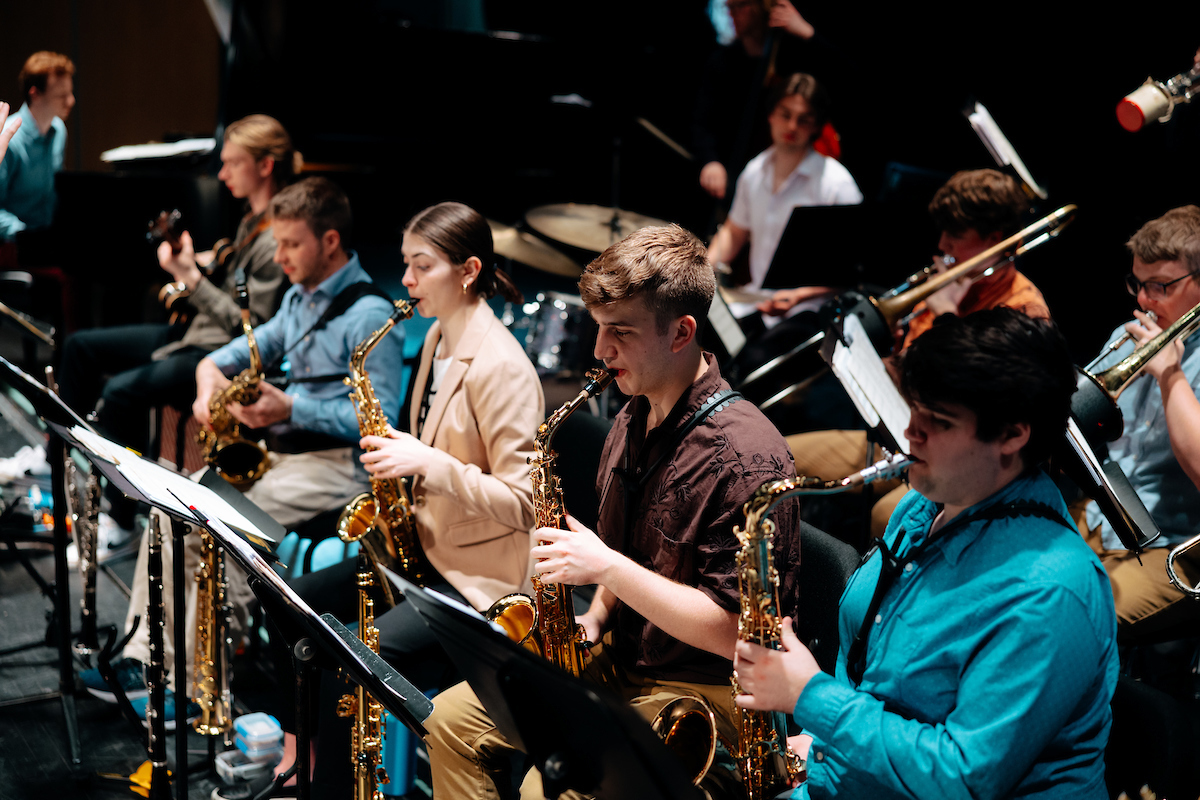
[62,597]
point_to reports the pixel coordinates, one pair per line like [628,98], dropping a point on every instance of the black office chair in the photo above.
[1154,741]
[825,566]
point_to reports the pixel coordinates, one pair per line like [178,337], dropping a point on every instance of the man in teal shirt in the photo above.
[977,654]
[35,153]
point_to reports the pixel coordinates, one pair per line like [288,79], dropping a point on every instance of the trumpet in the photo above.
[1094,404]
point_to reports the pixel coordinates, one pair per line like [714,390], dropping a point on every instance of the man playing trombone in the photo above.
[1159,449]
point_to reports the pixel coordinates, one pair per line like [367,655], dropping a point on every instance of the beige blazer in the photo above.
[475,514]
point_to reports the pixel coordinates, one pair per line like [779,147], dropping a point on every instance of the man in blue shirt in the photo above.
[977,651]
[35,154]
[313,430]
[1159,449]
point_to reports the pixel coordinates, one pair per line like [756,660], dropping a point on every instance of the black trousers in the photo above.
[405,642]
[137,383]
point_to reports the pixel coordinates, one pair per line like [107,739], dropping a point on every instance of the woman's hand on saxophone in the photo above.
[398,456]
[772,680]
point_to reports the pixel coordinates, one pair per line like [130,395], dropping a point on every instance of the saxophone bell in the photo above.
[688,728]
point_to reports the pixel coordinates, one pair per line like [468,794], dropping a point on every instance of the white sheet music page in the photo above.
[161,485]
[725,326]
[866,380]
[1001,149]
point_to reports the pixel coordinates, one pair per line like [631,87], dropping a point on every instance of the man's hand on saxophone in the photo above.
[273,405]
[772,680]
[209,381]
[575,557]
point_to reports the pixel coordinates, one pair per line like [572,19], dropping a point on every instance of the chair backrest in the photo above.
[825,566]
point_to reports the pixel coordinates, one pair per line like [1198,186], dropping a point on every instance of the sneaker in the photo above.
[131,675]
[139,708]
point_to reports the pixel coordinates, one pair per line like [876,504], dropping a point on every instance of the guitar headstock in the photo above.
[166,228]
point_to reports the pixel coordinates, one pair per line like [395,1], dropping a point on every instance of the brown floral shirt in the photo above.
[679,521]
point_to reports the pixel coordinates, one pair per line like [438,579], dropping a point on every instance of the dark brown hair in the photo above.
[38,69]
[263,137]
[460,232]
[810,89]
[1175,236]
[317,201]
[667,266]
[982,200]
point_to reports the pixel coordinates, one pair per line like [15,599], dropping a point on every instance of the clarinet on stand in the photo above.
[160,780]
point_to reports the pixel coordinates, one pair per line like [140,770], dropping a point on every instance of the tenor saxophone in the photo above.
[546,622]
[233,457]
[380,520]
[366,735]
[211,669]
[766,762]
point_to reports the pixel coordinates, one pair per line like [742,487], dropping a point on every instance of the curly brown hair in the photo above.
[983,200]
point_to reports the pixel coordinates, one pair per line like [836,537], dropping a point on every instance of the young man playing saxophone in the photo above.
[977,649]
[312,427]
[663,555]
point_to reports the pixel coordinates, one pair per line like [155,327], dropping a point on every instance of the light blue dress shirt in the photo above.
[989,668]
[27,175]
[325,407]
[1144,453]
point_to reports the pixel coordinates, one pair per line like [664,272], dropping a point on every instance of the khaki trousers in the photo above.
[1149,607]
[295,489]
[831,455]
[468,756]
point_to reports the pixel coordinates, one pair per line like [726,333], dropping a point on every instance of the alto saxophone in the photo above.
[381,520]
[366,737]
[211,669]
[233,457]
[546,622]
[765,760]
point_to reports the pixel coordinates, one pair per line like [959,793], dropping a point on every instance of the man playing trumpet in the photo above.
[1160,448]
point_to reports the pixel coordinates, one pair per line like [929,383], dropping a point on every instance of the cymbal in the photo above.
[587,227]
[531,251]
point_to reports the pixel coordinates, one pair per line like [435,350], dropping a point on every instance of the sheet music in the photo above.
[866,380]
[725,326]
[1001,149]
[135,152]
[163,487]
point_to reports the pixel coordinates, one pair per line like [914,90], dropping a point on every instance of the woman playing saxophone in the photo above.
[473,409]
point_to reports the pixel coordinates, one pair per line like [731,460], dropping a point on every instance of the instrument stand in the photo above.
[579,738]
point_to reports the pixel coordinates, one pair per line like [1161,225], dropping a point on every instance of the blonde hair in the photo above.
[263,137]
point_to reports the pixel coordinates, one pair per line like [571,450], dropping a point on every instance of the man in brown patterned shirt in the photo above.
[676,469]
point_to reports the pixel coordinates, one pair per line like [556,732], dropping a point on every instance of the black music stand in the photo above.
[580,738]
[49,407]
[319,641]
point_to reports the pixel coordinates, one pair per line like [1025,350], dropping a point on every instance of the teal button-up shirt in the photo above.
[989,668]
[27,175]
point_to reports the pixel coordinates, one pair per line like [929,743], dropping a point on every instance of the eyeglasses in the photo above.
[1155,290]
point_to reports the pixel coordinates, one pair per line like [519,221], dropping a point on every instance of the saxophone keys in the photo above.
[381,775]
[347,705]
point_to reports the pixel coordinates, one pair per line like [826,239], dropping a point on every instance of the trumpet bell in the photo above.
[517,615]
[358,518]
[688,727]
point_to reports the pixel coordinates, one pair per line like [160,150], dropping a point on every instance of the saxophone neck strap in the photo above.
[892,564]
[340,304]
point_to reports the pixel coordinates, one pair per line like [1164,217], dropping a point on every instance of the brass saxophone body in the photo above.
[366,736]
[210,679]
[381,520]
[765,760]
[233,457]
[546,622]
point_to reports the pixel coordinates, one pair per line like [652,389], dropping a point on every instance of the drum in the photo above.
[556,331]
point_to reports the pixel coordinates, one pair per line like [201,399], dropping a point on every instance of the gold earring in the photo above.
[465,285]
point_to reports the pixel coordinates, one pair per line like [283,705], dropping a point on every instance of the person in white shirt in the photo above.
[787,174]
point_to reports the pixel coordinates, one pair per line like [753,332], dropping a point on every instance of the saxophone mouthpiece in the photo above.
[884,469]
